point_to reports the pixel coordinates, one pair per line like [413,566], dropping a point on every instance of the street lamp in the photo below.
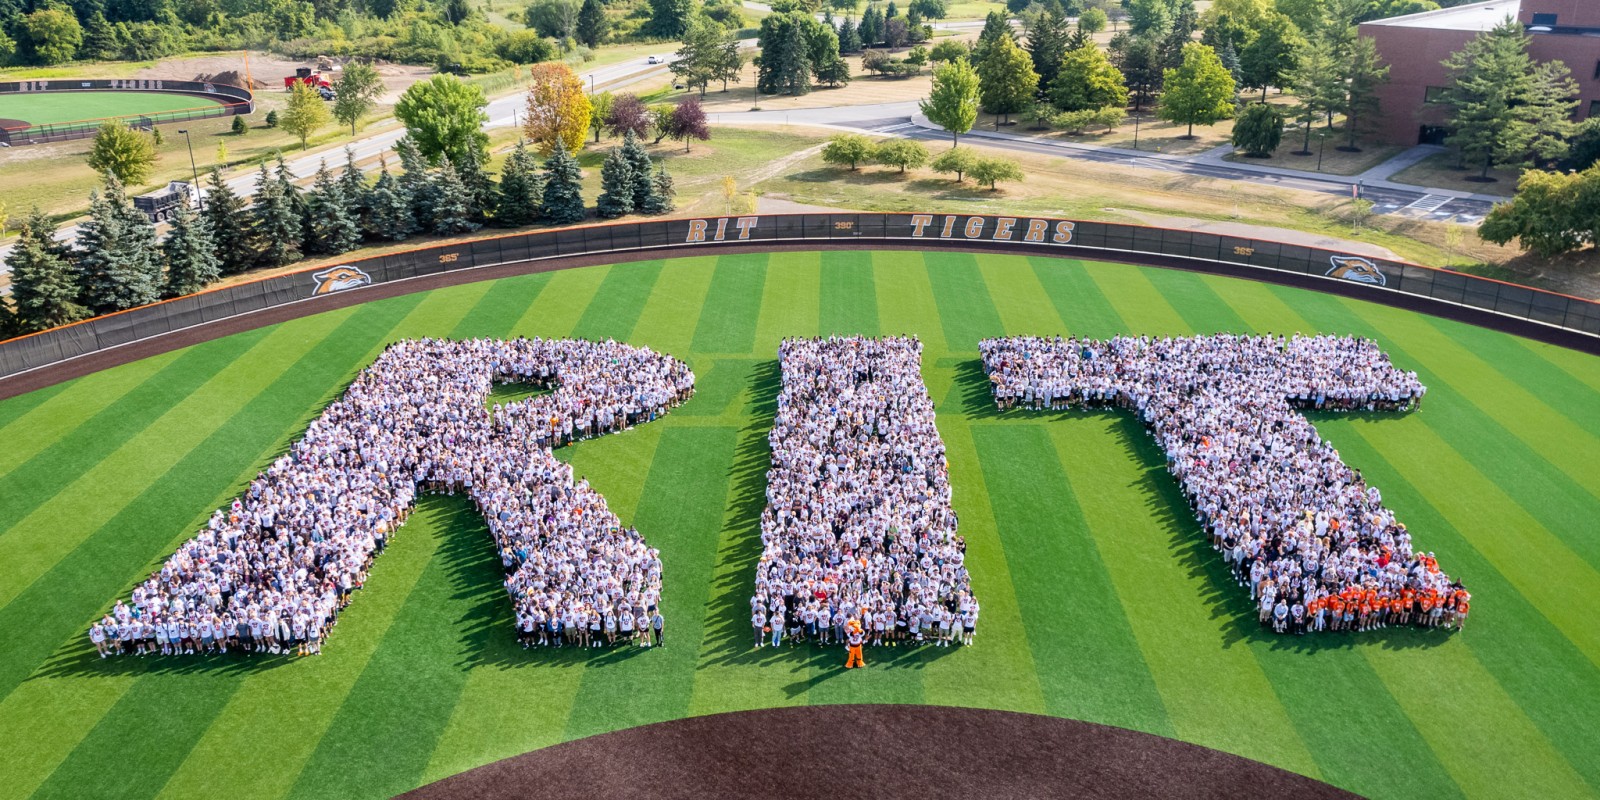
[1136,131]
[199,195]
[1322,144]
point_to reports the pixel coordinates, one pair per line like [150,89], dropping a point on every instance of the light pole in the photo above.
[1136,131]
[199,195]
[1322,144]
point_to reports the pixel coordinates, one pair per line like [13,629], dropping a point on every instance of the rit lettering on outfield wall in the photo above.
[951,226]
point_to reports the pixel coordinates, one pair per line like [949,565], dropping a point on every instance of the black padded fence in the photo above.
[227,101]
[1569,321]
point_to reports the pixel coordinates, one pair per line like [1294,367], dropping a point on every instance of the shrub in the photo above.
[848,148]
[1110,117]
[902,153]
[272,119]
[1073,122]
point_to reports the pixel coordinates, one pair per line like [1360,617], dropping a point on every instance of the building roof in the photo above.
[1474,17]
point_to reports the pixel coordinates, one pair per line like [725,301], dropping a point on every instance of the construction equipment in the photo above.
[161,206]
[315,78]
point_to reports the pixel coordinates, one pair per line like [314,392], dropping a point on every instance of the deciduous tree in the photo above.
[1006,80]
[444,117]
[902,153]
[355,93]
[848,148]
[1552,213]
[1259,130]
[1200,91]
[1088,80]
[957,159]
[628,114]
[688,121]
[557,108]
[123,152]
[993,170]
[952,101]
[305,113]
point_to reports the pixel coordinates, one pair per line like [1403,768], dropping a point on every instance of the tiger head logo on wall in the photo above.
[1360,270]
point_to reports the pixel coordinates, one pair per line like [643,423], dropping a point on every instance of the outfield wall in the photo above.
[41,359]
[229,100]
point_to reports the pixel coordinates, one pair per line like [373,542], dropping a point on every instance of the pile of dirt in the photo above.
[231,77]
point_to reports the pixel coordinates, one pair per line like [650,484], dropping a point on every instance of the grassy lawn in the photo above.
[1100,600]
[1440,170]
[1333,160]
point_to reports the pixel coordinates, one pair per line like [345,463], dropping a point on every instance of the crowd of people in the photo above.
[1308,536]
[858,536]
[270,573]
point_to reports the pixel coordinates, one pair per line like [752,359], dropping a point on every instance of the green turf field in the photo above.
[42,107]
[1099,600]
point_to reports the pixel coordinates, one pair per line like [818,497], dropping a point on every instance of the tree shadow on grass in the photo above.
[1228,601]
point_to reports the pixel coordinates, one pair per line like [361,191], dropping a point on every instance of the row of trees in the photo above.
[853,150]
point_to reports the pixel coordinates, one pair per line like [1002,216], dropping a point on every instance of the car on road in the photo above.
[656,60]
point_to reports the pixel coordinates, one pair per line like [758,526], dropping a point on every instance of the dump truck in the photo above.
[315,78]
[162,205]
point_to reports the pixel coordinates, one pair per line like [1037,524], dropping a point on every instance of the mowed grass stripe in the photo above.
[667,323]
[501,305]
[41,416]
[1545,674]
[256,705]
[33,483]
[45,718]
[1522,413]
[1387,751]
[680,512]
[375,746]
[18,407]
[790,301]
[966,311]
[1194,299]
[732,305]
[1083,650]
[989,676]
[1523,363]
[619,301]
[561,304]
[905,300]
[848,303]
[1019,300]
[1077,300]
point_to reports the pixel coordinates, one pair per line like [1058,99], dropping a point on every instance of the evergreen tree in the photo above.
[390,216]
[43,285]
[334,229]
[784,66]
[870,32]
[232,231]
[1364,71]
[353,183]
[661,194]
[849,36]
[1047,43]
[616,186]
[592,23]
[416,183]
[563,189]
[1316,83]
[118,257]
[276,224]
[640,169]
[452,213]
[1140,64]
[518,201]
[480,188]
[995,26]
[192,262]
[1500,100]
[1230,62]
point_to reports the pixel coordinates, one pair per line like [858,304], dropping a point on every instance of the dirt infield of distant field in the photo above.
[875,751]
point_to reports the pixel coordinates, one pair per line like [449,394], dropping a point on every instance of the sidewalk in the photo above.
[1375,178]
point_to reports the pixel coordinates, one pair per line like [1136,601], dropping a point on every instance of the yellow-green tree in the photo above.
[558,110]
[305,114]
[123,152]
[1200,91]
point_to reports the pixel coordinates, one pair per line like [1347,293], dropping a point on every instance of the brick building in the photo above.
[1414,45]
